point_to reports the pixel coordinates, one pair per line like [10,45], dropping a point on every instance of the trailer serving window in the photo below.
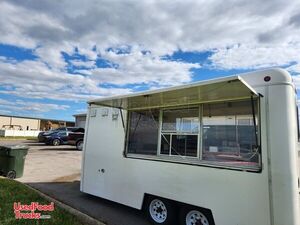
[211,123]
[220,134]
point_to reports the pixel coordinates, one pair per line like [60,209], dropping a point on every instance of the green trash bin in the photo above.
[12,159]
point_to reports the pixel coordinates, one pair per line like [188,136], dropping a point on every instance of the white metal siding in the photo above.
[227,193]
[283,154]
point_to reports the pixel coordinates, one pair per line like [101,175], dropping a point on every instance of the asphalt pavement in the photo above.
[55,171]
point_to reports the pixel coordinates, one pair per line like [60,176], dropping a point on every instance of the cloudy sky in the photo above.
[55,55]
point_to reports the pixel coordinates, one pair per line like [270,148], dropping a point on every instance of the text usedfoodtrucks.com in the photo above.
[28,211]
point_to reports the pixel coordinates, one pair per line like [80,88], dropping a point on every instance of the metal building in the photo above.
[80,120]
[8,122]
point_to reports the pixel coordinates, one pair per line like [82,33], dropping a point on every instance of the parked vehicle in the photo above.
[216,152]
[76,138]
[43,134]
[56,138]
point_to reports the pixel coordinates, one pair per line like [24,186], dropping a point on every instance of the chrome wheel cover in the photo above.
[158,211]
[195,217]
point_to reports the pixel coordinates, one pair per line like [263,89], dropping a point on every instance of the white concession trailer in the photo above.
[220,151]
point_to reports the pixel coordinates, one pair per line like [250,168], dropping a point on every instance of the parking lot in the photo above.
[55,170]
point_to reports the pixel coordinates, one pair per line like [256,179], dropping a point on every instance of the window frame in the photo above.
[171,133]
[190,160]
[171,142]
[127,134]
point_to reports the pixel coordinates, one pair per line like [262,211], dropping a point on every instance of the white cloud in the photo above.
[51,56]
[255,57]
[87,64]
[23,27]
[20,106]
[35,79]
[160,26]
[294,68]
[242,35]
[87,51]
[137,68]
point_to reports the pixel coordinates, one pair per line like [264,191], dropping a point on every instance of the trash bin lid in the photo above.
[13,147]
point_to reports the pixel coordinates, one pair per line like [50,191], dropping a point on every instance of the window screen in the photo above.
[179,135]
[143,132]
[217,133]
[181,120]
[229,133]
[185,145]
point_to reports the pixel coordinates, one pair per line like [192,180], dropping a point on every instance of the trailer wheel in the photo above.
[56,142]
[79,145]
[160,211]
[11,174]
[194,216]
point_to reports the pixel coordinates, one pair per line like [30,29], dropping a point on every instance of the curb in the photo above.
[84,218]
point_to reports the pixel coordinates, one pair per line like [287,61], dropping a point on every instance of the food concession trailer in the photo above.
[220,151]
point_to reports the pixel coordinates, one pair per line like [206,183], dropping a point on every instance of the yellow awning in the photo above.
[223,89]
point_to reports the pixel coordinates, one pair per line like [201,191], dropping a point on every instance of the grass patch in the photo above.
[12,191]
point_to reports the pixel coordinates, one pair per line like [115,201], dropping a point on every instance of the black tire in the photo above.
[79,145]
[195,216]
[160,211]
[56,142]
[11,174]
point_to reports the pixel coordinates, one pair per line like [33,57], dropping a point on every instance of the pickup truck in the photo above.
[76,138]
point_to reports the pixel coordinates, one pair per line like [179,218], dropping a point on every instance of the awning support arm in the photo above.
[254,121]
[123,123]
